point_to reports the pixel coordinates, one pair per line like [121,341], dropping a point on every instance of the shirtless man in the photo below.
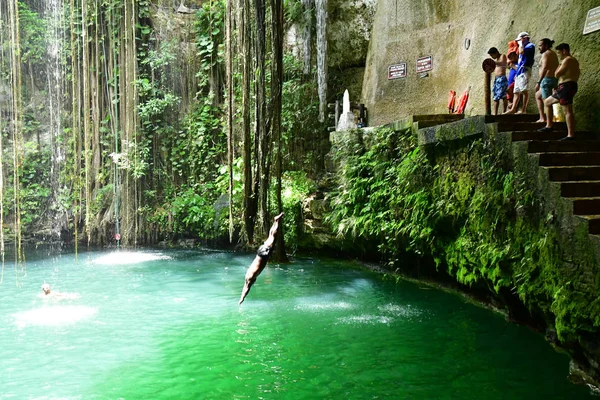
[568,74]
[260,261]
[500,80]
[547,82]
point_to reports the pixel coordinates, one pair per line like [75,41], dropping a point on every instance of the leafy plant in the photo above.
[469,213]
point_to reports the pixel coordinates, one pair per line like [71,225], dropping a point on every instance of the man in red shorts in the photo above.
[568,74]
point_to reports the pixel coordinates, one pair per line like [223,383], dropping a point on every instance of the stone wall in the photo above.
[404,30]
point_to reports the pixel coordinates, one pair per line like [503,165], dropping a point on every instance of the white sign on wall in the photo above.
[592,21]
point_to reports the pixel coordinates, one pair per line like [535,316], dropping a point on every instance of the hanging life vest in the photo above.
[451,101]
[462,102]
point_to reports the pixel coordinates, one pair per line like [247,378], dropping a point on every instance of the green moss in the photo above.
[461,204]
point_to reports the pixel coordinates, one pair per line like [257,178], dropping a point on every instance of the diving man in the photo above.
[260,261]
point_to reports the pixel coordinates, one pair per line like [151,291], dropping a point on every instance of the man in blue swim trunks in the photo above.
[568,74]
[500,81]
[547,82]
[260,261]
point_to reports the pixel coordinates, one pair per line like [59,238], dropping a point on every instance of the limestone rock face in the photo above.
[349,31]
[458,34]
[314,208]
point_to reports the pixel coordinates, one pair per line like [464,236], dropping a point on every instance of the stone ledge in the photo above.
[461,129]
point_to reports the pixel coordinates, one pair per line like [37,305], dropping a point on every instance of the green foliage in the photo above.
[157,101]
[34,184]
[301,130]
[160,57]
[210,38]
[294,11]
[193,212]
[198,149]
[34,179]
[32,36]
[383,194]
[469,213]
[296,186]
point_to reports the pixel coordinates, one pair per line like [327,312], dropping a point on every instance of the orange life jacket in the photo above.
[451,101]
[462,102]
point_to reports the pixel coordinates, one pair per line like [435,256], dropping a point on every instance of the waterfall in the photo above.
[53,10]
[307,6]
[321,6]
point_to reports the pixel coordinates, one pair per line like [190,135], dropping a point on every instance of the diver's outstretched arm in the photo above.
[246,290]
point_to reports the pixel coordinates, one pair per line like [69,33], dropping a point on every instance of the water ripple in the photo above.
[53,316]
[315,307]
[128,257]
[366,319]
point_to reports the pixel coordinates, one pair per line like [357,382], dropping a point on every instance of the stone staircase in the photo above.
[422,121]
[426,121]
[574,165]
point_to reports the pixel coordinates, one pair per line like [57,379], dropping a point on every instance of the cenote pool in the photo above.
[166,325]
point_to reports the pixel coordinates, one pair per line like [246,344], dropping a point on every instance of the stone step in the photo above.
[441,118]
[561,174]
[586,206]
[528,126]
[553,146]
[580,189]
[428,122]
[593,223]
[569,159]
[511,118]
[554,135]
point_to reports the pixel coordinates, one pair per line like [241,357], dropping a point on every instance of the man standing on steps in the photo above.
[260,261]
[526,56]
[568,74]
[547,82]
[500,81]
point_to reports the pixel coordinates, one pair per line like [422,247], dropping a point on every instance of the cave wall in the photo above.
[404,30]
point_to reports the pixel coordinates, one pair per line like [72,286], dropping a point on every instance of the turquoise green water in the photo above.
[166,325]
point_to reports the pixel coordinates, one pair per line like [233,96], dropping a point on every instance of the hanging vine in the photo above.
[123,157]
[17,115]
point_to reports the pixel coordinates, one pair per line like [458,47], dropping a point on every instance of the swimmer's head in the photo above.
[46,288]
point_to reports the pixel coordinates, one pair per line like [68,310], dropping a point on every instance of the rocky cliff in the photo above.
[458,34]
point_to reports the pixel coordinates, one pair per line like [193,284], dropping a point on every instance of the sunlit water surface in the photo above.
[166,325]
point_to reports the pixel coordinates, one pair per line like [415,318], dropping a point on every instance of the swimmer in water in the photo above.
[48,293]
[260,261]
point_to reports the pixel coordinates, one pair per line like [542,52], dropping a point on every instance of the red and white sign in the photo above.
[397,71]
[424,64]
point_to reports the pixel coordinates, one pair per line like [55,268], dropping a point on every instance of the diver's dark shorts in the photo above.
[264,251]
[565,93]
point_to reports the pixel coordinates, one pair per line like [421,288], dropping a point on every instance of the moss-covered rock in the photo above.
[479,210]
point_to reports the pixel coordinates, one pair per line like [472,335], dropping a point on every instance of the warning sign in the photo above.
[592,22]
[397,71]
[424,64]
